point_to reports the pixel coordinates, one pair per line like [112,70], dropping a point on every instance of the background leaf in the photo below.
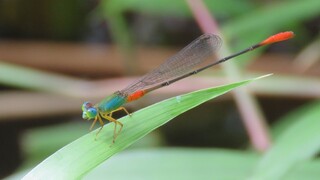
[190,163]
[299,142]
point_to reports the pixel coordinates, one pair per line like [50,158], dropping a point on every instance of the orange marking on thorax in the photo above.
[278,37]
[136,95]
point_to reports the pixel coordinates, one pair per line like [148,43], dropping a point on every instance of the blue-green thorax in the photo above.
[111,103]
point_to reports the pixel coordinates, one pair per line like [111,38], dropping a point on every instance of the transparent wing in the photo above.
[195,54]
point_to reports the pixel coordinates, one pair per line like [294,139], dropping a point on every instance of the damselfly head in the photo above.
[89,112]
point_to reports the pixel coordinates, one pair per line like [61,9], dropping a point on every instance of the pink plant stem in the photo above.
[249,109]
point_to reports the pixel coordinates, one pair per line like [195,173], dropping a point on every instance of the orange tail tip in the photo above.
[278,37]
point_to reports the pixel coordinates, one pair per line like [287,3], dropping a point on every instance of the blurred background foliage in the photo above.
[56,54]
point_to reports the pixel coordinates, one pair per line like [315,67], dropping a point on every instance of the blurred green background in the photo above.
[57,54]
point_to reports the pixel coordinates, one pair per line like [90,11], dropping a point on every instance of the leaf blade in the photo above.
[84,154]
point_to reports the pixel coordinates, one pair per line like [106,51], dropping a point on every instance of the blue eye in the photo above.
[91,113]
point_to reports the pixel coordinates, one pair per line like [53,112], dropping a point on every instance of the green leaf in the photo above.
[299,142]
[79,157]
[285,122]
[187,163]
[177,163]
[190,163]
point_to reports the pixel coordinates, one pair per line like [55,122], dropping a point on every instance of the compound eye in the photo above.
[86,106]
[91,113]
